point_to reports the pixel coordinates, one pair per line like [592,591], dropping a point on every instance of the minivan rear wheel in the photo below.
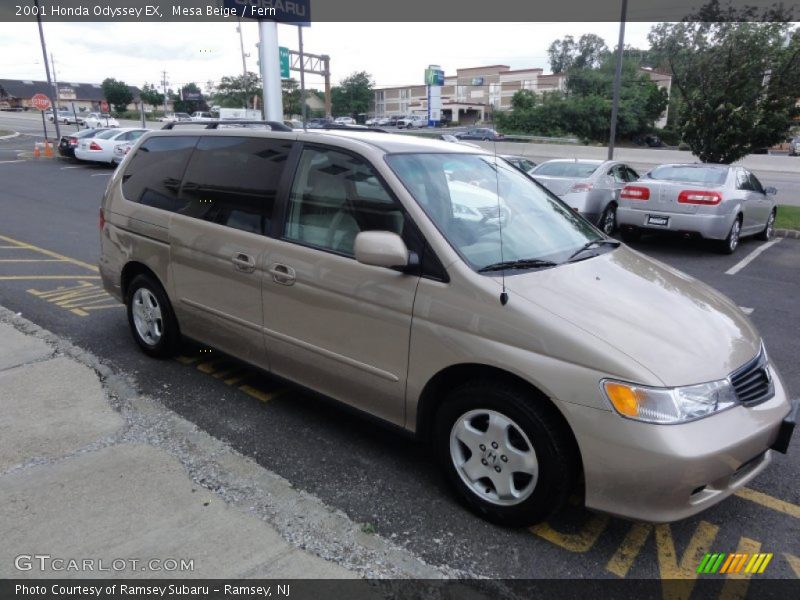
[151,319]
[507,455]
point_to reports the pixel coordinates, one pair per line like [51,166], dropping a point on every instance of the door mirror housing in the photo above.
[770,191]
[381,249]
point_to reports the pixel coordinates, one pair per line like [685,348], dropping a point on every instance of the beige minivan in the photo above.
[438,288]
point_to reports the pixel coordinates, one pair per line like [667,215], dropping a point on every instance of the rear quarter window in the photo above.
[153,175]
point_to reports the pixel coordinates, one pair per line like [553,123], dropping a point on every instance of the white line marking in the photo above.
[102,175]
[750,257]
[4,162]
[747,310]
[75,167]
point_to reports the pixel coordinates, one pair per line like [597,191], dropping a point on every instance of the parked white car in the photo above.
[202,116]
[412,122]
[101,147]
[345,120]
[95,120]
[120,152]
[175,117]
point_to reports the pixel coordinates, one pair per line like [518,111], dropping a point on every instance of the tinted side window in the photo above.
[334,197]
[233,181]
[755,184]
[742,180]
[631,174]
[154,173]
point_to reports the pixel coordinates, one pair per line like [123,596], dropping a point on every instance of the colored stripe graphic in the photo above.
[723,563]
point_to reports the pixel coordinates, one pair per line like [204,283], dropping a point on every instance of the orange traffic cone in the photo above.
[48,149]
[36,152]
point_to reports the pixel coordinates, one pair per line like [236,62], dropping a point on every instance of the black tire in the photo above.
[547,436]
[731,243]
[168,340]
[608,220]
[631,234]
[769,228]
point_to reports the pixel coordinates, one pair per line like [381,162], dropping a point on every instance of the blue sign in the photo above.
[296,12]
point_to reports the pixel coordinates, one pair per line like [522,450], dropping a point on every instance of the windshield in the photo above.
[566,169]
[690,174]
[459,192]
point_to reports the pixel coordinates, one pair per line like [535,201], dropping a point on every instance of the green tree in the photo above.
[150,95]
[353,95]
[585,109]
[589,51]
[738,76]
[117,93]
[190,99]
[523,100]
[290,91]
[235,91]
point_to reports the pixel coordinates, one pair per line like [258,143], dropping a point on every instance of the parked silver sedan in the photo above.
[591,187]
[717,202]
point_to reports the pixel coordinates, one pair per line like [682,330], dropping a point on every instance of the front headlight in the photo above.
[669,405]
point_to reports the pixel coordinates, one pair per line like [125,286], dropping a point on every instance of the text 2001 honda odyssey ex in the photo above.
[371,268]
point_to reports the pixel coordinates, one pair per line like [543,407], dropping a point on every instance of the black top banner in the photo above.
[309,11]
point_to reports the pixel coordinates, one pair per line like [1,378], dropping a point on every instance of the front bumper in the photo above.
[711,226]
[663,473]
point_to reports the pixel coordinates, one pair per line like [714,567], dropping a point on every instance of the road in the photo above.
[48,249]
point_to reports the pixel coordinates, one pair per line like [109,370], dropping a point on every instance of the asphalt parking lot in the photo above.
[48,252]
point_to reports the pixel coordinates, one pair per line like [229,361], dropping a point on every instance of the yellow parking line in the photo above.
[50,253]
[30,260]
[770,502]
[24,277]
[258,394]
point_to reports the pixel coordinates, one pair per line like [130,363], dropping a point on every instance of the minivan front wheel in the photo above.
[505,453]
[150,317]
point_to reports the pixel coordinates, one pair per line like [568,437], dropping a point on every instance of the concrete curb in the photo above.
[300,518]
[788,233]
[8,137]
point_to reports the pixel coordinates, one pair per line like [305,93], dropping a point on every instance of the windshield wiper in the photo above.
[524,263]
[592,244]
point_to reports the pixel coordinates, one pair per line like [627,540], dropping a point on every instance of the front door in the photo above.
[331,323]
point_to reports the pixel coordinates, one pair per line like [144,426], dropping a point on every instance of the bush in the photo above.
[669,136]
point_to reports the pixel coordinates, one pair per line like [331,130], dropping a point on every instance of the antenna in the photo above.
[503,294]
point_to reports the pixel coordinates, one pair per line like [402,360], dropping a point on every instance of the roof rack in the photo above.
[342,127]
[274,125]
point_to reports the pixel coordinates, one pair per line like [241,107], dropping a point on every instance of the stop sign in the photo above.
[40,101]
[104,106]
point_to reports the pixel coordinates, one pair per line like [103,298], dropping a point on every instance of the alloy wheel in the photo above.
[494,457]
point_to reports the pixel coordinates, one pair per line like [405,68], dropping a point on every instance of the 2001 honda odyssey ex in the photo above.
[438,288]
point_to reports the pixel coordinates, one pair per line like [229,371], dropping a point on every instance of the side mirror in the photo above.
[770,191]
[381,249]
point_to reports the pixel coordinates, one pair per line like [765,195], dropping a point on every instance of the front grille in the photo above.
[753,383]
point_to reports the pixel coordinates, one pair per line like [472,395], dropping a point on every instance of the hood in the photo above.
[681,330]
[558,185]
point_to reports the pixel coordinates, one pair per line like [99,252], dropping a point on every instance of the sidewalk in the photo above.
[90,470]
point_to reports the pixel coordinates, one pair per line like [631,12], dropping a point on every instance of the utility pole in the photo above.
[244,64]
[617,80]
[326,61]
[53,101]
[303,110]
[164,87]
[270,70]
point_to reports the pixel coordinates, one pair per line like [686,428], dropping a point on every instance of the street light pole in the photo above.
[244,64]
[53,101]
[617,80]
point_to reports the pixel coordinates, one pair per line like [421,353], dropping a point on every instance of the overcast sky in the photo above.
[394,53]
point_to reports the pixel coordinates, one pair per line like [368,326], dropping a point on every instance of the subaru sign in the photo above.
[296,12]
